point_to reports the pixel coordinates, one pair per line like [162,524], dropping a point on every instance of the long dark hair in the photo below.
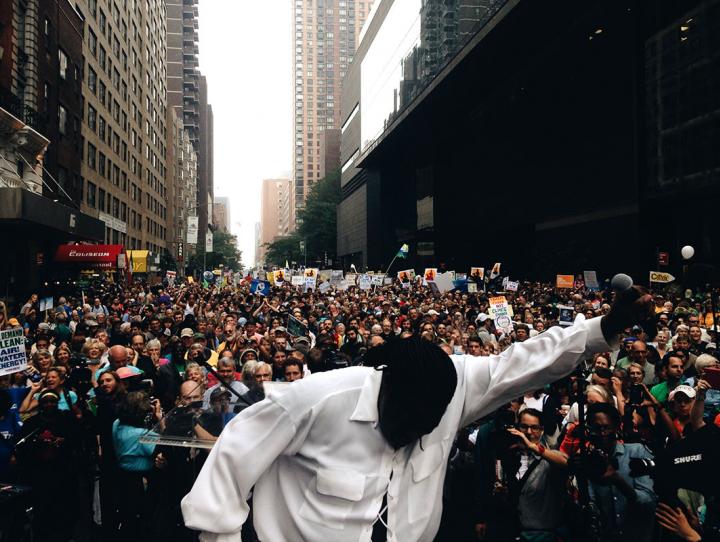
[134,408]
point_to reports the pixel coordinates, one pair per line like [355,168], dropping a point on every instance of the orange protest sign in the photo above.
[564,281]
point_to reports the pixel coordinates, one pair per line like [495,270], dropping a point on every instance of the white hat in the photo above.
[684,389]
[482,317]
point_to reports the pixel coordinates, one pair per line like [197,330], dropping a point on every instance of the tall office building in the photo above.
[125,125]
[187,94]
[275,213]
[326,35]
[221,214]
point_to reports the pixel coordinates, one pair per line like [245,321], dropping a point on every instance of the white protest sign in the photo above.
[565,317]
[343,285]
[377,280]
[365,282]
[500,312]
[512,286]
[336,276]
[12,351]
[298,280]
[310,283]
[46,303]
[324,287]
[661,277]
[444,282]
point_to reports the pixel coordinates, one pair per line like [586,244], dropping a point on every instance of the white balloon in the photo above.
[687,252]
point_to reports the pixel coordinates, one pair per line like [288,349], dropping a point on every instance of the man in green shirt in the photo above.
[673,365]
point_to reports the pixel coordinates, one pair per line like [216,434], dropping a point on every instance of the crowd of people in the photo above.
[88,427]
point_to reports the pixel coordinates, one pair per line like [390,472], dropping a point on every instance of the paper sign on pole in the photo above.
[564,281]
[46,303]
[661,277]
[12,351]
[192,230]
[209,242]
[591,280]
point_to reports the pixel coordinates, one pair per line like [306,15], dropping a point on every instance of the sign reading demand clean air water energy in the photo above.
[12,351]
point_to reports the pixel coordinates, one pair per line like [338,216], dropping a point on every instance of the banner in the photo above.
[591,280]
[12,351]
[192,229]
[209,242]
[661,277]
[564,281]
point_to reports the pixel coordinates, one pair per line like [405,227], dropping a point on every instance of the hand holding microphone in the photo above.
[632,305]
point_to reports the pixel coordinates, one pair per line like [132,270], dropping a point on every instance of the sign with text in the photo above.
[377,280]
[192,230]
[661,277]
[12,351]
[499,311]
[591,280]
[297,280]
[512,286]
[663,258]
[564,281]
[365,282]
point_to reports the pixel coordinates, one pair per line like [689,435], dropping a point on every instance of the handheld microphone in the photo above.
[621,282]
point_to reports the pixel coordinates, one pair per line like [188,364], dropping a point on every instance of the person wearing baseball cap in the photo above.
[682,399]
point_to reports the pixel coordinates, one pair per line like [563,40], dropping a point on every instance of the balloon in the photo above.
[687,252]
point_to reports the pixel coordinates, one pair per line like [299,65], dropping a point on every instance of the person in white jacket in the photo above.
[323,456]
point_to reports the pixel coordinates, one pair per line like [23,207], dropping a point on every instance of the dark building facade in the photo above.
[60,76]
[551,137]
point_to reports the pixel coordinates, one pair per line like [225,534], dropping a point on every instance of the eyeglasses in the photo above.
[525,427]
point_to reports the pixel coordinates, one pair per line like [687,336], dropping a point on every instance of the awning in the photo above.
[95,256]
[138,260]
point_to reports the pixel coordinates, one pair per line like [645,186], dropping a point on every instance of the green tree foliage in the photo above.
[225,252]
[317,227]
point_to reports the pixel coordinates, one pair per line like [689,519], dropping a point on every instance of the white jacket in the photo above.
[320,466]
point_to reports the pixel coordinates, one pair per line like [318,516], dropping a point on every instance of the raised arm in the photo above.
[494,380]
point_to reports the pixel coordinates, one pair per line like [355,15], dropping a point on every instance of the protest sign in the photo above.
[566,315]
[495,271]
[295,327]
[325,274]
[12,351]
[512,286]
[311,272]
[591,280]
[661,277]
[46,303]
[171,276]
[298,280]
[387,281]
[279,276]
[504,282]
[430,273]
[336,276]
[477,274]
[406,276]
[351,279]
[365,282]
[472,287]
[261,287]
[499,311]
[564,281]
[343,285]
[377,280]
[322,288]
[444,282]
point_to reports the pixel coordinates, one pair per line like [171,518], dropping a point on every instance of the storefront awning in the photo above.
[95,256]
[138,260]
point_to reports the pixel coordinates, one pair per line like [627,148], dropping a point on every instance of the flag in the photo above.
[403,252]
[261,287]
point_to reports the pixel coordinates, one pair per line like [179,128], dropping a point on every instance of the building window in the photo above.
[101,164]
[91,194]
[62,119]
[92,43]
[101,128]
[92,80]
[92,117]
[92,156]
[62,57]
[101,200]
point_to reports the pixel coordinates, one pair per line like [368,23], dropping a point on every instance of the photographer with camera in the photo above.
[624,504]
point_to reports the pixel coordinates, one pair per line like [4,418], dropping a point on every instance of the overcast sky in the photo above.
[246,54]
